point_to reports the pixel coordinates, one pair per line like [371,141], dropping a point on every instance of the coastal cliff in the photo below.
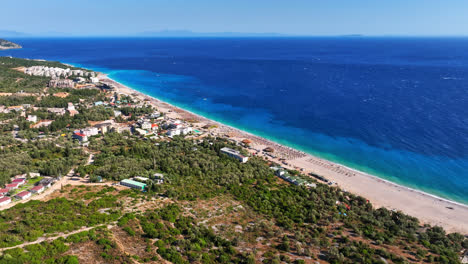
[5,44]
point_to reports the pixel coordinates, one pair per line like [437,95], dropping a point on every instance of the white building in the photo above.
[234,154]
[5,200]
[90,131]
[146,125]
[32,118]
[140,131]
[94,79]
[71,107]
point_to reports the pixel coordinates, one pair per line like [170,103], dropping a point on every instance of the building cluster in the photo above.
[141,183]
[284,174]
[56,72]
[17,183]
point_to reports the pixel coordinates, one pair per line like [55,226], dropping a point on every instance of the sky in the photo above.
[294,17]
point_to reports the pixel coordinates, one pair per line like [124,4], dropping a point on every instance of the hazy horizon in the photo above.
[295,18]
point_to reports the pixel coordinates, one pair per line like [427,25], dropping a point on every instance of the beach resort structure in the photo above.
[61,83]
[235,154]
[133,184]
[56,72]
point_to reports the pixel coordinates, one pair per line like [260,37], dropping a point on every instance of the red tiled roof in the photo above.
[18,180]
[154,125]
[12,185]
[22,194]
[79,134]
[3,199]
[4,190]
[37,188]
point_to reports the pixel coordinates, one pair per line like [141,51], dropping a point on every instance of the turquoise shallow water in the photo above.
[324,147]
[395,108]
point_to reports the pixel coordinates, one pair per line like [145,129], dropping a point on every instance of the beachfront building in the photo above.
[5,201]
[23,195]
[234,154]
[133,184]
[37,189]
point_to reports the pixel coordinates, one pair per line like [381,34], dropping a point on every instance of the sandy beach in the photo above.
[428,208]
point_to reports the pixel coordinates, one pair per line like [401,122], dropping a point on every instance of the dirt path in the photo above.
[62,235]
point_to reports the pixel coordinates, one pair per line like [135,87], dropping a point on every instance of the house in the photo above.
[34,174]
[4,191]
[20,181]
[16,108]
[141,179]
[46,182]
[186,130]
[37,189]
[57,111]
[117,113]
[5,201]
[23,195]
[90,131]
[105,126]
[81,137]
[94,79]
[146,125]
[234,154]
[133,184]
[158,178]
[173,132]
[12,186]
[155,115]
[32,118]
[154,127]
[140,132]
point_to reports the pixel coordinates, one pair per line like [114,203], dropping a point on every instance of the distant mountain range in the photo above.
[162,33]
[187,33]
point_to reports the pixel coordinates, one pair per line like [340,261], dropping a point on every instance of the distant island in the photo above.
[5,44]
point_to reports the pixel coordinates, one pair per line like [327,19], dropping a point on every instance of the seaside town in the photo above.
[142,178]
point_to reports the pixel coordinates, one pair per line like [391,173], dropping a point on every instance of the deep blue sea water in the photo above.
[393,107]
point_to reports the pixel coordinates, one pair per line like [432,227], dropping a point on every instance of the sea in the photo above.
[393,107]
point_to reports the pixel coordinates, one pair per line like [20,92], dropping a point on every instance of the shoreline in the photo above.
[428,208]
